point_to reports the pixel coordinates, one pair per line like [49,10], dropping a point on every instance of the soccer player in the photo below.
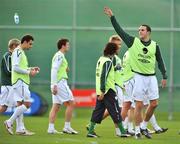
[61,93]
[20,82]
[127,112]
[129,100]
[118,79]
[6,99]
[143,55]
[106,92]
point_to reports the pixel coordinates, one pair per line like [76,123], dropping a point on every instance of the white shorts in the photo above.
[128,97]
[119,93]
[64,93]
[6,96]
[146,87]
[21,92]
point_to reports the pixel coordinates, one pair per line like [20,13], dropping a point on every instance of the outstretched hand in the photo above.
[108,11]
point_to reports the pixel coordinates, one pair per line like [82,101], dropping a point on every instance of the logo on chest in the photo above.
[145,50]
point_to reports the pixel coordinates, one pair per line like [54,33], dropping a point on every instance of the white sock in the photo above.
[19,110]
[137,129]
[144,125]
[67,124]
[125,123]
[118,133]
[154,123]
[51,126]
[141,124]
[20,123]
[130,127]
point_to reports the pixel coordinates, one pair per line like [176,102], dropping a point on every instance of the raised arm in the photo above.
[125,36]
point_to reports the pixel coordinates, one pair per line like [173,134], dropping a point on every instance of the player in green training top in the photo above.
[6,99]
[61,93]
[6,96]
[106,92]
[144,53]
[20,80]
[118,79]
[128,103]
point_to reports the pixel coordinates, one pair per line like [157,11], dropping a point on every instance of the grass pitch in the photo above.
[81,118]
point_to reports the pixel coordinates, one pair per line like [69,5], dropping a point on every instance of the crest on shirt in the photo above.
[145,50]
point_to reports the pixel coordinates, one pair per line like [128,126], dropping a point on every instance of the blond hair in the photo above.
[13,42]
[115,37]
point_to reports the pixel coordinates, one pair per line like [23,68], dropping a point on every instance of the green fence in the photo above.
[87,27]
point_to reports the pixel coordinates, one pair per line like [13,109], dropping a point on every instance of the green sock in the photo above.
[91,127]
[121,128]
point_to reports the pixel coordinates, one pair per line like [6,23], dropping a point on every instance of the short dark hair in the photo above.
[27,38]
[62,42]
[110,49]
[148,28]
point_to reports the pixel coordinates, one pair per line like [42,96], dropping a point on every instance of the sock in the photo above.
[154,123]
[130,126]
[121,128]
[141,124]
[137,129]
[19,110]
[144,125]
[20,123]
[67,124]
[51,126]
[118,133]
[91,127]
[125,123]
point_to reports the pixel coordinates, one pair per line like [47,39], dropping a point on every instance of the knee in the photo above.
[126,105]
[55,108]
[153,104]
[139,105]
[71,104]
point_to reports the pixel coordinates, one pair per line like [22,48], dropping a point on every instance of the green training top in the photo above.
[23,64]
[118,71]
[142,58]
[104,75]
[6,69]
[127,73]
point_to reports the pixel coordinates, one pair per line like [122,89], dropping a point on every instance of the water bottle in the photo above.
[16,18]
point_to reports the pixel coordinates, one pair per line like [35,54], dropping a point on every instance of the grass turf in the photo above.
[81,118]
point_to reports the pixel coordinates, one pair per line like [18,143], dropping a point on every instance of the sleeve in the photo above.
[6,62]
[128,40]
[16,57]
[54,70]
[105,71]
[161,64]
